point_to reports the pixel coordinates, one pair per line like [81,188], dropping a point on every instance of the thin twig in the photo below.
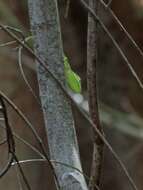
[22,173]
[123,28]
[18,178]
[3,142]
[24,76]
[29,145]
[8,43]
[7,166]
[109,3]
[16,30]
[9,139]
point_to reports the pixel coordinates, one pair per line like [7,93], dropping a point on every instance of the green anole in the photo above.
[72,79]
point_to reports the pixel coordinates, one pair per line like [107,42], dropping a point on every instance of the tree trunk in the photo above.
[57,112]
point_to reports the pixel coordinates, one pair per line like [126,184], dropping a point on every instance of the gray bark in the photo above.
[57,112]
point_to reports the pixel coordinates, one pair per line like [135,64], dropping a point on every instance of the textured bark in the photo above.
[58,116]
[92,58]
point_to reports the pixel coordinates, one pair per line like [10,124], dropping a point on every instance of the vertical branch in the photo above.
[57,112]
[92,59]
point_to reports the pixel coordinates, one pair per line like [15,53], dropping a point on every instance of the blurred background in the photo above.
[120,106]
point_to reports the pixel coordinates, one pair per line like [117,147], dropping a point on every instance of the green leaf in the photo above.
[73,81]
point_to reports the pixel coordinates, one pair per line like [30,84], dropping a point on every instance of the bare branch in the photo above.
[92,61]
